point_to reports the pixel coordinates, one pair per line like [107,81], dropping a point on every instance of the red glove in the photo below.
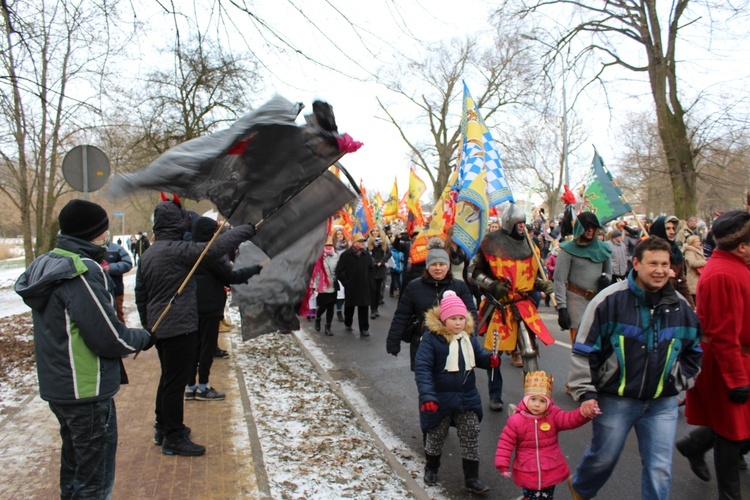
[494,361]
[105,265]
[429,406]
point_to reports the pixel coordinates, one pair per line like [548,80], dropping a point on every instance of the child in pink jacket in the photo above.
[532,431]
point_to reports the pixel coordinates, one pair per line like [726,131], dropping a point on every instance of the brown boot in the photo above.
[574,493]
[515,359]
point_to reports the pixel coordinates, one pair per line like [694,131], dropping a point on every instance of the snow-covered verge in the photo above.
[313,446]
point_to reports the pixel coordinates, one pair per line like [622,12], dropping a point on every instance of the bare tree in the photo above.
[435,94]
[606,31]
[52,55]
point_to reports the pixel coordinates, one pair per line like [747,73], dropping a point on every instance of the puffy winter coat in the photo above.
[213,275]
[539,462]
[119,263]
[696,262]
[452,391]
[419,296]
[166,265]
[78,339]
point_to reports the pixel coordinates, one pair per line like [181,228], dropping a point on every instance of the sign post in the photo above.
[121,214]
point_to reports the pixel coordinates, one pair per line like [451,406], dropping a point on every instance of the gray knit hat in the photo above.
[436,252]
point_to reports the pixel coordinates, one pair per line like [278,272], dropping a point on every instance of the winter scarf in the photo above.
[451,363]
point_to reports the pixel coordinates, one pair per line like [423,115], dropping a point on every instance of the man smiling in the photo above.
[636,349]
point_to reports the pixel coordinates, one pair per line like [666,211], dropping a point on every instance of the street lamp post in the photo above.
[566,169]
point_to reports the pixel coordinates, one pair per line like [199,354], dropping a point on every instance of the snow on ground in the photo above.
[313,444]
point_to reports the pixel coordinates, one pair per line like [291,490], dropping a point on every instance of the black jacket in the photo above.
[356,273]
[214,274]
[416,299]
[166,265]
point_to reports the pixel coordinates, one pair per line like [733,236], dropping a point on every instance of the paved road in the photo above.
[389,387]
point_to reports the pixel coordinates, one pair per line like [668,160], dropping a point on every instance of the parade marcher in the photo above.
[377,246]
[619,256]
[160,274]
[141,245]
[412,270]
[583,269]
[531,431]
[355,270]
[79,343]
[444,371]
[719,399]
[696,261]
[505,268]
[211,278]
[637,347]
[324,280]
[691,228]
[340,244]
[666,228]
[117,262]
[422,294]
[395,271]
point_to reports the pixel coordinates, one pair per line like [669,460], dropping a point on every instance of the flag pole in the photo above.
[538,262]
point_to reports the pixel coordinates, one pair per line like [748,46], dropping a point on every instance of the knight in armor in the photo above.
[505,269]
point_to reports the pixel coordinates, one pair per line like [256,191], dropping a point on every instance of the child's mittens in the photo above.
[494,361]
[429,406]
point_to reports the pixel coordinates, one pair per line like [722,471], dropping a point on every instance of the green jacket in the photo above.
[77,337]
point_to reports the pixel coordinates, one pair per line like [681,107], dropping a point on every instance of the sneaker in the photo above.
[210,394]
[159,434]
[364,333]
[348,328]
[182,445]
[221,353]
[496,404]
[189,395]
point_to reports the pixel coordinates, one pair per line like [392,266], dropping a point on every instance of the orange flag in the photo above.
[416,190]
[439,224]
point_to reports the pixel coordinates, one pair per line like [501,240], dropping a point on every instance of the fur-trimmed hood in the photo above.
[433,323]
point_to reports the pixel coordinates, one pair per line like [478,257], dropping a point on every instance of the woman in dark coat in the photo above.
[420,295]
[377,245]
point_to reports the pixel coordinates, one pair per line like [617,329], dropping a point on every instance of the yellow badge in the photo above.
[545,426]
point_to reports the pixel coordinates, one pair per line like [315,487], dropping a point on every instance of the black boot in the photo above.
[471,478]
[317,324]
[694,447]
[726,459]
[328,329]
[431,467]
[340,316]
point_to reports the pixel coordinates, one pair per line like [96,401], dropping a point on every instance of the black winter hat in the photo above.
[83,219]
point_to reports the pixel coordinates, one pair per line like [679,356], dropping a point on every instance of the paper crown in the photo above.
[538,384]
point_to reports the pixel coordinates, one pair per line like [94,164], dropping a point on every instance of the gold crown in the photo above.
[538,384]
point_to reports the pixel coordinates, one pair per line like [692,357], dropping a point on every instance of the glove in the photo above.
[499,289]
[548,287]
[494,361]
[251,271]
[429,406]
[253,232]
[603,282]
[151,341]
[739,395]
[563,318]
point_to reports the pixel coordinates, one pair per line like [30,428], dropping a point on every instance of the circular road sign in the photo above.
[86,168]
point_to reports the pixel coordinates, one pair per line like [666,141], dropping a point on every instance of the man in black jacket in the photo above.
[211,277]
[161,272]
[355,271]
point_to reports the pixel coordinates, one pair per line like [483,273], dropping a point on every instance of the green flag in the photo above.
[601,195]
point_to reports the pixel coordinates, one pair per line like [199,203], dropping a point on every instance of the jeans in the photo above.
[655,423]
[89,446]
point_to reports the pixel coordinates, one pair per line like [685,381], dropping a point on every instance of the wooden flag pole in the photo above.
[538,262]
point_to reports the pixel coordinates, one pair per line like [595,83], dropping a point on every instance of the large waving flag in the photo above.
[391,204]
[416,190]
[472,215]
[363,216]
[601,195]
[442,219]
[498,190]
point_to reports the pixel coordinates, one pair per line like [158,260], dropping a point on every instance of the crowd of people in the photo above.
[656,314]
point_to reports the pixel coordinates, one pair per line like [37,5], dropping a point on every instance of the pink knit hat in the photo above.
[452,305]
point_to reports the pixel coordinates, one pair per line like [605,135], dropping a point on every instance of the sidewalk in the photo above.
[30,444]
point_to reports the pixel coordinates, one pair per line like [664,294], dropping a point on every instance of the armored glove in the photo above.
[548,287]
[499,289]
[563,318]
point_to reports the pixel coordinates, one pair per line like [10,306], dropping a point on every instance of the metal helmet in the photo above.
[512,216]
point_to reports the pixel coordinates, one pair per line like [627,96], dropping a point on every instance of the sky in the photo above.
[347,59]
